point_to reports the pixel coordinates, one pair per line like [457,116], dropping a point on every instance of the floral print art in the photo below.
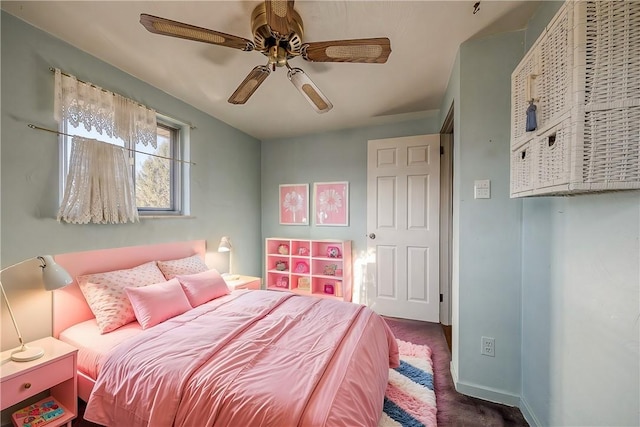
[331,203]
[294,204]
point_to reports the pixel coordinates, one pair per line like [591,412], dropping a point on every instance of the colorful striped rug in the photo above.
[410,400]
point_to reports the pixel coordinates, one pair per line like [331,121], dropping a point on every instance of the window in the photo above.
[155,177]
[160,183]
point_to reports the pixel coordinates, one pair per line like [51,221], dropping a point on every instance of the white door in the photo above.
[403,197]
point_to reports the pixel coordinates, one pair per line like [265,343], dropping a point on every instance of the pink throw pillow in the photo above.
[203,287]
[189,265]
[156,303]
[106,297]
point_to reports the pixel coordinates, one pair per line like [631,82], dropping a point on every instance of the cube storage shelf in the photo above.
[321,268]
[584,74]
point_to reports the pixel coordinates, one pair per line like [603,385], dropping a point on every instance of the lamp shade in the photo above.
[53,276]
[225,244]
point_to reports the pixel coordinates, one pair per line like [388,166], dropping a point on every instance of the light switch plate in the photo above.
[482,189]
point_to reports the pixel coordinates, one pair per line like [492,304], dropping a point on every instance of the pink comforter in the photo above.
[259,358]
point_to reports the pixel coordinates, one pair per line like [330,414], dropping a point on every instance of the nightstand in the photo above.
[55,371]
[245,282]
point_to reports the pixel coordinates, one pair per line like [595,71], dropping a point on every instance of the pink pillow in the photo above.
[202,287]
[106,297]
[156,303]
[189,265]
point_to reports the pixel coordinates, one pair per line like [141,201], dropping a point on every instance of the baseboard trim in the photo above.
[454,373]
[528,414]
[487,393]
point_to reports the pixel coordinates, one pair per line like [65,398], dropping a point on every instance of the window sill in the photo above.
[142,217]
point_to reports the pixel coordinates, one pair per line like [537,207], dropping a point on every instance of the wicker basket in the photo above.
[521,170]
[521,86]
[610,45]
[609,42]
[556,62]
[611,150]
[587,80]
[544,75]
[552,166]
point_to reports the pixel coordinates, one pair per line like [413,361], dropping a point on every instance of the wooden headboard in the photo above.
[69,305]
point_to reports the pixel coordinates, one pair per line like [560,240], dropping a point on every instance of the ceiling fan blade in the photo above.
[374,50]
[167,27]
[278,16]
[249,85]
[309,90]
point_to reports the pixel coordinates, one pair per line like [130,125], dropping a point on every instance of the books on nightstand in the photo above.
[38,414]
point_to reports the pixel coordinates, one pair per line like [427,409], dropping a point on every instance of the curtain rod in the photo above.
[53,70]
[32,126]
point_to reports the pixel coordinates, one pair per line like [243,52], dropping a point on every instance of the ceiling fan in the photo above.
[277,33]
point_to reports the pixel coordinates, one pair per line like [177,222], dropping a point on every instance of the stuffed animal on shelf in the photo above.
[283,249]
[333,252]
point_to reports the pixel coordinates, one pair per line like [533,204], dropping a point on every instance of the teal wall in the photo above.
[330,156]
[225,183]
[580,322]
[486,233]
[556,280]
[580,303]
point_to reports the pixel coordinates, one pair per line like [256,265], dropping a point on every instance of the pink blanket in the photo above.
[259,358]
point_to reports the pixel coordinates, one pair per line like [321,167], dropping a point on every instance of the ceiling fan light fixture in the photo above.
[249,85]
[309,90]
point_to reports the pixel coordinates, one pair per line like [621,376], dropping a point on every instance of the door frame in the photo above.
[446,216]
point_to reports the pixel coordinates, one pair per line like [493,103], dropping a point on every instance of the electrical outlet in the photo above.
[488,346]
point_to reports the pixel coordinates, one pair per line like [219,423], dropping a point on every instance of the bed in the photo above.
[250,358]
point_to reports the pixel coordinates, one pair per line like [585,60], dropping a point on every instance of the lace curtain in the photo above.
[99,187]
[93,107]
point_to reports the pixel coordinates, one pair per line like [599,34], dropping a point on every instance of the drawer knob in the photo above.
[27,385]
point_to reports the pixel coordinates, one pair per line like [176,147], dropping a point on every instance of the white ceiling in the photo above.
[425,36]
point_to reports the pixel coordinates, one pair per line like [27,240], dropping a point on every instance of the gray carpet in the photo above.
[454,409]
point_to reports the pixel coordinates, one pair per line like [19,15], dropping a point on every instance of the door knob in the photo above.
[372,236]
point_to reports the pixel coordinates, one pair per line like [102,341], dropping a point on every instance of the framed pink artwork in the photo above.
[331,203]
[294,204]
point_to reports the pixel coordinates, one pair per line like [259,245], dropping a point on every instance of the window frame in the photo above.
[175,198]
[180,171]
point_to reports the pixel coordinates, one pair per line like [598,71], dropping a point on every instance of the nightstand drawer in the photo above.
[38,379]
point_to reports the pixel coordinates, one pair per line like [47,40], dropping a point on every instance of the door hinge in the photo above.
[441,297]
[441,150]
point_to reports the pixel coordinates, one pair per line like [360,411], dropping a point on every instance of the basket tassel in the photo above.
[532,123]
